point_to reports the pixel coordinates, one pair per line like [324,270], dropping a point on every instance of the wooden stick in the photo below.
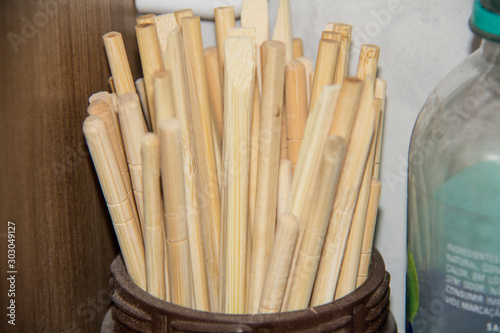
[182,13]
[199,262]
[118,62]
[146,18]
[224,19]
[172,172]
[331,35]
[350,263]
[254,14]
[347,107]
[325,68]
[368,61]
[215,88]
[297,48]
[380,92]
[343,208]
[283,141]
[141,91]
[163,96]
[296,101]
[149,50]
[371,219]
[284,185]
[204,148]
[120,209]
[153,216]
[279,264]
[238,98]
[304,179]
[317,222]
[308,64]
[345,45]
[283,28]
[164,24]
[133,128]
[267,182]
[111,84]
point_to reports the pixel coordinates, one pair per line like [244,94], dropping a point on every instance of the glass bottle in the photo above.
[453,282]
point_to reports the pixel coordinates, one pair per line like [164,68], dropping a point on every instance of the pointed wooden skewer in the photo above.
[254,14]
[164,24]
[141,91]
[120,209]
[380,92]
[325,68]
[224,20]
[308,64]
[182,13]
[238,98]
[215,88]
[172,175]
[315,136]
[284,185]
[296,101]
[371,218]
[153,217]
[133,128]
[343,208]
[316,225]
[118,62]
[350,263]
[203,142]
[199,261]
[298,48]
[279,264]
[267,182]
[283,28]
[149,50]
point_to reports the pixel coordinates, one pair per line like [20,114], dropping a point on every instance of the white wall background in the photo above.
[420,40]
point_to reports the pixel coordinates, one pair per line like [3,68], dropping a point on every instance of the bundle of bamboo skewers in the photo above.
[239,179]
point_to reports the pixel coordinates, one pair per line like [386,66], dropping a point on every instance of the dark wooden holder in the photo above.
[364,310]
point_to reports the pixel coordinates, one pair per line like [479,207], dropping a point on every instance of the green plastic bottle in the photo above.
[453,280]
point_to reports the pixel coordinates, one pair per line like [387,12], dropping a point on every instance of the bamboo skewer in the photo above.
[296,101]
[224,20]
[215,88]
[163,96]
[368,61]
[120,209]
[316,225]
[267,182]
[172,171]
[283,28]
[279,264]
[309,68]
[297,48]
[284,185]
[133,128]
[182,13]
[343,60]
[118,62]
[164,24]
[371,218]
[111,84]
[238,98]
[200,263]
[304,179]
[203,142]
[153,217]
[380,92]
[254,14]
[348,272]
[149,50]
[343,208]
[325,68]
[141,91]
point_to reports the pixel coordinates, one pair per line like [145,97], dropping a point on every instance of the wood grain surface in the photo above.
[64,237]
